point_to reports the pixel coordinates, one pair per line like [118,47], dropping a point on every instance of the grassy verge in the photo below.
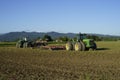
[7,44]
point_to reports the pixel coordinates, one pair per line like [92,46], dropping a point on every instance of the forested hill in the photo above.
[13,36]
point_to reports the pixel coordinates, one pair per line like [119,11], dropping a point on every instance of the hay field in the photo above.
[36,64]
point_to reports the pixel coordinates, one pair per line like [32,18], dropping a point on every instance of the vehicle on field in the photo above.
[24,43]
[81,44]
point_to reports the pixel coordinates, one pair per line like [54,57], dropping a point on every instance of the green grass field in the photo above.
[7,44]
[37,64]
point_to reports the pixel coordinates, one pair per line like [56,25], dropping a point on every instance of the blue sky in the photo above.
[87,16]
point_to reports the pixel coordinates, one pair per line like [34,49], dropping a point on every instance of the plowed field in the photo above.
[37,64]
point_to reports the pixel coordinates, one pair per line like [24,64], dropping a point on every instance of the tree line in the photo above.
[65,38]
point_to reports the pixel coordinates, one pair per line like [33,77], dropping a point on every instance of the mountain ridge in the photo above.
[12,36]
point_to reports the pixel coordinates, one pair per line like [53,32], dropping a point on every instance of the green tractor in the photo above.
[24,43]
[81,44]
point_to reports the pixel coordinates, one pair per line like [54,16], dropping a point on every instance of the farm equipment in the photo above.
[81,44]
[24,43]
[53,47]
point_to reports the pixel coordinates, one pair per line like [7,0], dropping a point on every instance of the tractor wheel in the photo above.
[25,45]
[78,46]
[69,46]
[83,46]
[30,44]
[18,45]
[95,46]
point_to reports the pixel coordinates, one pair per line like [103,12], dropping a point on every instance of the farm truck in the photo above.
[81,44]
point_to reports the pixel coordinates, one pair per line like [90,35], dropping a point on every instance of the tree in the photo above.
[64,38]
[47,37]
[96,38]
